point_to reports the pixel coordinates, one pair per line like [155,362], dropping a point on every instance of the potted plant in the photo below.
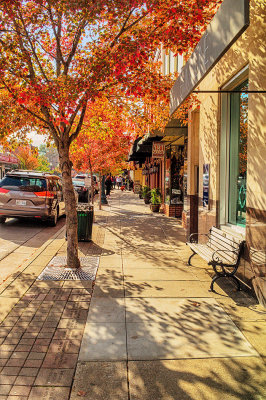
[146,194]
[156,199]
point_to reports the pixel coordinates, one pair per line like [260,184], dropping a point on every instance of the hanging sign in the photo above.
[206,182]
[157,150]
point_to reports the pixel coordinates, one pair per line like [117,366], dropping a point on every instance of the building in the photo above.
[226,149]
[212,173]
[7,162]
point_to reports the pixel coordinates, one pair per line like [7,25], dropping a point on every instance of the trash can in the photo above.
[85,221]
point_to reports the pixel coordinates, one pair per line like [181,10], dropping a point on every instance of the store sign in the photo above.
[206,182]
[158,150]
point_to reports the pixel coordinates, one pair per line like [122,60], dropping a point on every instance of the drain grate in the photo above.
[57,270]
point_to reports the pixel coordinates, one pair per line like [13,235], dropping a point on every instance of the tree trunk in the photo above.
[100,197]
[92,183]
[70,204]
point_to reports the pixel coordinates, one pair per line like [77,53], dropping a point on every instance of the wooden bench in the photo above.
[221,250]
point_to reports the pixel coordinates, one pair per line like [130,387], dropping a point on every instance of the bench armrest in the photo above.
[197,234]
[215,255]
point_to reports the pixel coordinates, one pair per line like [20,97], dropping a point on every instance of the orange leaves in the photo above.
[55,54]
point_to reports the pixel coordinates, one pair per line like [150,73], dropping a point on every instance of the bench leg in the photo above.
[192,255]
[216,277]
[236,281]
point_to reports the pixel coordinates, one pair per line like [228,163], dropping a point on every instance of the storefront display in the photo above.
[174,174]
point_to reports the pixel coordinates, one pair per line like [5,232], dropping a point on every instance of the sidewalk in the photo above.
[151,330]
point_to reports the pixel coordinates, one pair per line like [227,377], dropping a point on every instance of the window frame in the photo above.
[233,83]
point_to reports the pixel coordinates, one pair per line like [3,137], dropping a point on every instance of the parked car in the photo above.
[31,194]
[95,180]
[81,189]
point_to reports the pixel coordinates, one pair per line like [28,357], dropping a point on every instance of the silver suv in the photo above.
[31,194]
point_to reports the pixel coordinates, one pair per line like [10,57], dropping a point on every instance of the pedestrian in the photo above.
[118,181]
[108,185]
[113,182]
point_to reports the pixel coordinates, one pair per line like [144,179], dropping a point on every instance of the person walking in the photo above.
[108,185]
[113,182]
[118,181]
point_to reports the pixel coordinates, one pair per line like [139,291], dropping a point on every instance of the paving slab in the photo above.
[201,379]
[163,273]
[49,393]
[161,288]
[255,333]
[54,377]
[188,328]
[111,262]
[103,341]
[107,310]
[171,310]
[100,381]
[6,306]
[243,309]
[109,288]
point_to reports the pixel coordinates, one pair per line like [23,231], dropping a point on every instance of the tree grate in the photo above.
[57,270]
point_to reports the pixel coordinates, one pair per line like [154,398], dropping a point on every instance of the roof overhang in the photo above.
[230,21]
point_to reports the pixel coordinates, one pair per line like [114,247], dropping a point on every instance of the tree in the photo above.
[28,157]
[43,164]
[58,56]
[104,141]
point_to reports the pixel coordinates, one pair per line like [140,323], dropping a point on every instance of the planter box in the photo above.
[155,207]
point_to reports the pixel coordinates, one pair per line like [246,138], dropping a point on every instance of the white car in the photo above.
[95,180]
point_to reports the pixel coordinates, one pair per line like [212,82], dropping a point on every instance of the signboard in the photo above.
[88,181]
[206,182]
[158,150]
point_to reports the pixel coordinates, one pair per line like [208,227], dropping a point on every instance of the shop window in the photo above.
[233,171]
[238,156]
[174,174]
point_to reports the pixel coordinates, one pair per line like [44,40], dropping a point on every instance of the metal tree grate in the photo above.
[57,270]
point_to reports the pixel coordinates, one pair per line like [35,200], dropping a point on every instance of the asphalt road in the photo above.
[19,239]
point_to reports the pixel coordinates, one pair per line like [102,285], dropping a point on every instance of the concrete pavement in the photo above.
[147,329]
[154,331]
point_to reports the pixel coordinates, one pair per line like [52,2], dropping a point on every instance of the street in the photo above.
[19,239]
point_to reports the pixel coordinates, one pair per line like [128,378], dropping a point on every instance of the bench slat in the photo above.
[206,253]
[225,235]
[226,242]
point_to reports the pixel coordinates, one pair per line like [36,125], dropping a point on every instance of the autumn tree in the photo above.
[28,157]
[58,56]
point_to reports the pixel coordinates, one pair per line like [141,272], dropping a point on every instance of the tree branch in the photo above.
[32,48]
[79,126]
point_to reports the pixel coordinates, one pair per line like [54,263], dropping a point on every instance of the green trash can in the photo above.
[85,221]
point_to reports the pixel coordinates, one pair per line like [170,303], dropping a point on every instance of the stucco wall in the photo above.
[249,50]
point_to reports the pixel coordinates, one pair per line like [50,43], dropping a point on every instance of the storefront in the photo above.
[226,137]
[7,163]
[174,181]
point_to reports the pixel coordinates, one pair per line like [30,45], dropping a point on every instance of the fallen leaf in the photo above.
[81,393]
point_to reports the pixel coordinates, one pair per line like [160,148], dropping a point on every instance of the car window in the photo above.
[78,182]
[22,183]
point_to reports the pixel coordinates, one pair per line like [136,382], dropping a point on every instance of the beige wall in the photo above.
[249,49]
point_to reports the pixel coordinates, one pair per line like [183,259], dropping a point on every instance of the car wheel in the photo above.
[53,220]
[2,220]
